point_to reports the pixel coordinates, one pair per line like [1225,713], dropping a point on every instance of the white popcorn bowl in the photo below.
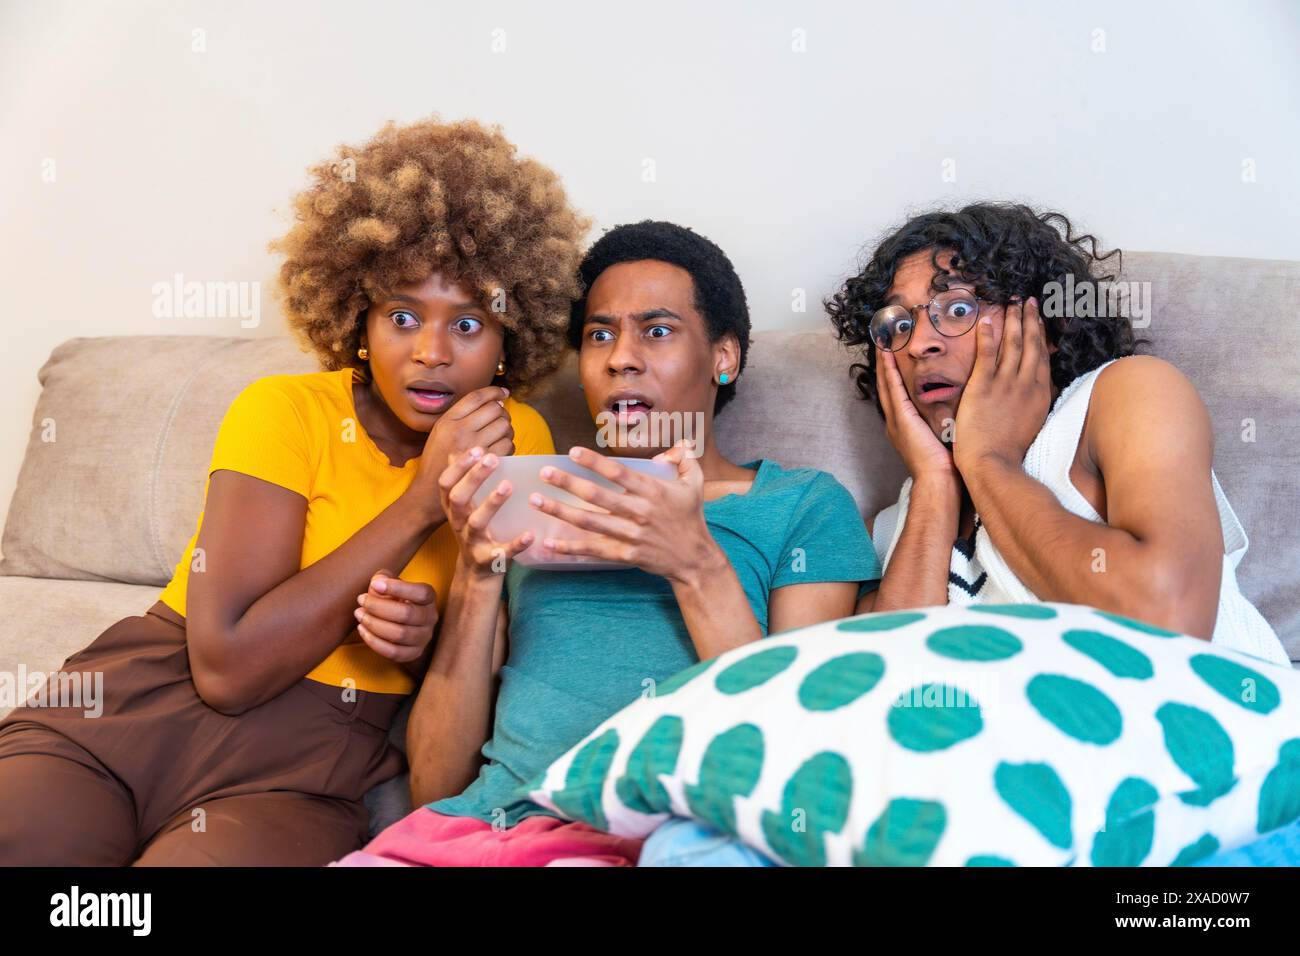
[517,515]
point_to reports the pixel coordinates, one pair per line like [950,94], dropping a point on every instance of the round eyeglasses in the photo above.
[952,313]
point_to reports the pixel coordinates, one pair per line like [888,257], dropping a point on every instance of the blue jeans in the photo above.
[1279,848]
[683,842]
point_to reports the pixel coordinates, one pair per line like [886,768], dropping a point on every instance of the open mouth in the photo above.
[631,406]
[430,397]
[931,389]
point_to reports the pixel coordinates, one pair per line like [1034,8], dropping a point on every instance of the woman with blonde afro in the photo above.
[246,714]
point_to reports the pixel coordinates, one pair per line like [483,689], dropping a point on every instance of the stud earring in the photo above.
[363,353]
[501,366]
[723,378]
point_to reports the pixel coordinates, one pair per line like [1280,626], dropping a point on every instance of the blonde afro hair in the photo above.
[450,198]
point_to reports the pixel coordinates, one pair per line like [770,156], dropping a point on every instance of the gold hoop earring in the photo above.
[501,366]
[363,353]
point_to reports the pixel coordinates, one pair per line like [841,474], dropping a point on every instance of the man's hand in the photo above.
[480,553]
[656,525]
[396,618]
[1006,400]
[922,452]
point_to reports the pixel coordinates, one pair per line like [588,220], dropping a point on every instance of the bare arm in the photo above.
[255,622]
[713,604]
[452,716]
[917,575]
[801,605]
[1160,555]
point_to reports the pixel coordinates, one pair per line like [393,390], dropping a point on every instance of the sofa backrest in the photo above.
[116,493]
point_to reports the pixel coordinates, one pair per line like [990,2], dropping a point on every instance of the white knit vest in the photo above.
[1239,625]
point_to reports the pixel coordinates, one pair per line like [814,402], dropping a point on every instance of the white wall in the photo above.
[170,160]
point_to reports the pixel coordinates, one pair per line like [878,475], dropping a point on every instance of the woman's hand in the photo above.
[656,525]
[477,419]
[480,553]
[924,455]
[1009,393]
[396,618]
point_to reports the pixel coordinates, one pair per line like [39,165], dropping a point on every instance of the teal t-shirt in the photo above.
[584,644]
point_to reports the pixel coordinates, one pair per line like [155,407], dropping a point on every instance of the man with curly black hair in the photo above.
[1063,466]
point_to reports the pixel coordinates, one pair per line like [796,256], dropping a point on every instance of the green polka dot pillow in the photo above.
[1031,734]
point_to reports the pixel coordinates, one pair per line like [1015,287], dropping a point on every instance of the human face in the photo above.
[645,350]
[935,367]
[430,343]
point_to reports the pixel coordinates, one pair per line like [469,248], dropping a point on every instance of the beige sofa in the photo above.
[112,481]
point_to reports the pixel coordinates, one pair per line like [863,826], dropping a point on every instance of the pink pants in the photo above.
[425,838]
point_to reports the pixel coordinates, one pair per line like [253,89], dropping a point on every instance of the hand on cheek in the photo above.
[997,321]
[912,436]
[1009,392]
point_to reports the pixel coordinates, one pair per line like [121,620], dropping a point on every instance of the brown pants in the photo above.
[160,778]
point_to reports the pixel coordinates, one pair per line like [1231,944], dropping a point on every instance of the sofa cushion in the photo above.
[1020,734]
[50,620]
[115,496]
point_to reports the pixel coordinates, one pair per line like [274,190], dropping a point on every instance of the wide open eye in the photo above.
[889,325]
[596,335]
[467,325]
[954,312]
[400,315]
[659,328]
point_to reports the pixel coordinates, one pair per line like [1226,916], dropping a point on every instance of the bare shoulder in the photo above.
[1142,398]
[1135,369]
[1139,384]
